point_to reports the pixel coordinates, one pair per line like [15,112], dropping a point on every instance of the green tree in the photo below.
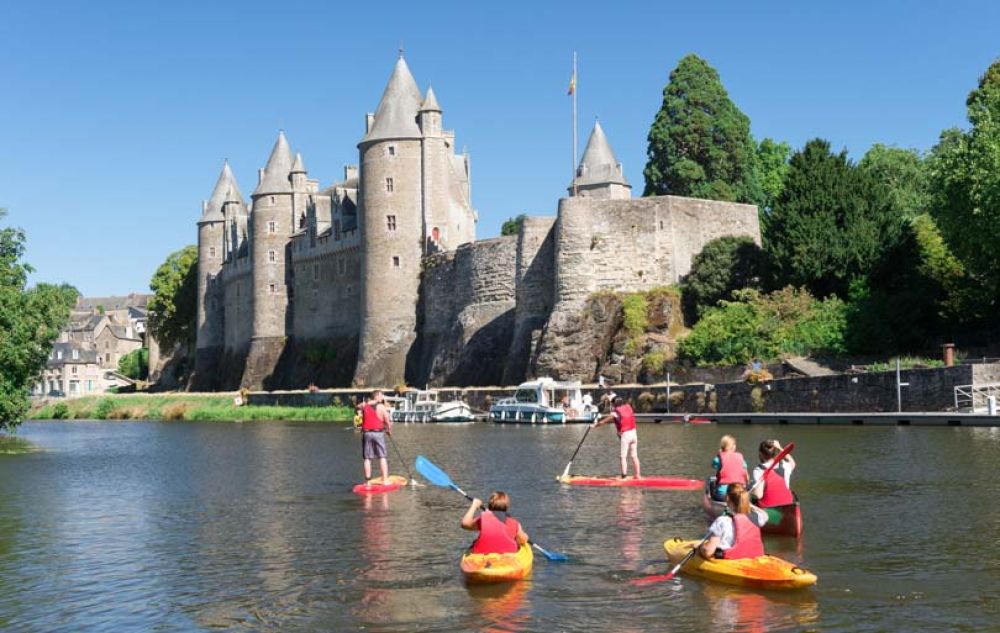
[699,142]
[174,304]
[723,266]
[512,226]
[831,223]
[772,166]
[904,172]
[965,190]
[30,320]
[135,364]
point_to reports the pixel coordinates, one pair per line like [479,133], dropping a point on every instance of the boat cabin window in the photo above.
[526,395]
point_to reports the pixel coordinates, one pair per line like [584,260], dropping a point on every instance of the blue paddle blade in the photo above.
[432,473]
[553,556]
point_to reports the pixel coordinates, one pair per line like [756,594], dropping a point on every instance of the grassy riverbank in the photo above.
[178,406]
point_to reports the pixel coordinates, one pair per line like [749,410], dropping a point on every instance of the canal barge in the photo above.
[423,406]
[545,401]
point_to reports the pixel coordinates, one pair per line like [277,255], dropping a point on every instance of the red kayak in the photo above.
[781,520]
[654,481]
[376,486]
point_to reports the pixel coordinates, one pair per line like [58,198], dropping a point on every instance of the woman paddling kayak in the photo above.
[735,534]
[497,535]
[774,489]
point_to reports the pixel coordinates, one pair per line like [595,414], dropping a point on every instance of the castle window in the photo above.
[107,358]
[272,256]
[389,184]
[272,226]
[390,222]
[661,225]
[272,199]
[350,290]
[211,251]
[272,288]
[315,272]
[392,150]
[74,369]
[395,261]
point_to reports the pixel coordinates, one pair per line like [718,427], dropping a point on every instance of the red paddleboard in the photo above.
[376,486]
[654,481]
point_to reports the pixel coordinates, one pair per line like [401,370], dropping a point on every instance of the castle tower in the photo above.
[234,212]
[272,222]
[599,174]
[392,229]
[434,179]
[211,253]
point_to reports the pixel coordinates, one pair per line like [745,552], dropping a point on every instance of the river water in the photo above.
[180,526]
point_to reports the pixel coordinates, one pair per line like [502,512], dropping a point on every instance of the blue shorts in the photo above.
[373,445]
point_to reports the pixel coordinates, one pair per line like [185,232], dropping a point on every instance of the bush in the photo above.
[635,311]
[135,364]
[766,326]
[654,362]
[104,409]
[174,411]
[60,411]
[723,266]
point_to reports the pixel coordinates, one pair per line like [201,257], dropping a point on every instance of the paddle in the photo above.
[438,477]
[566,472]
[413,482]
[648,580]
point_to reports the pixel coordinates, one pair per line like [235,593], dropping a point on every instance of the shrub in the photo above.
[723,266]
[644,403]
[60,411]
[654,361]
[174,411]
[104,409]
[635,310]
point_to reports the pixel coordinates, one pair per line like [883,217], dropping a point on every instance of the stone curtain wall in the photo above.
[534,279]
[690,223]
[468,301]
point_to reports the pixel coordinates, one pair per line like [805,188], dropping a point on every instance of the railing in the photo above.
[978,360]
[974,397]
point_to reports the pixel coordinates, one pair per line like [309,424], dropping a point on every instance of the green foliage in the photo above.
[965,185]
[772,167]
[906,362]
[30,320]
[60,411]
[699,142]
[766,326]
[723,266]
[830,224]
[320,353]
[655,361]
[904,173]
[512,226]
[135,364]
[635,311]
[105,409]
[174,304]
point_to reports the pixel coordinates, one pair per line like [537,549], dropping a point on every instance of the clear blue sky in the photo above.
[116,116]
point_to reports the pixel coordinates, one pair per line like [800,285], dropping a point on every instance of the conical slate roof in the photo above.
[299,166]
[430,102]
[279,165]
[225,183]
[599,164]
[396,116]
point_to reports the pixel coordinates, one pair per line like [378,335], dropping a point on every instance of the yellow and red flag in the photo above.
[572,84]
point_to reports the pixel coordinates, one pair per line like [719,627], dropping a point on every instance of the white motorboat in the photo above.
[422,405]
[545,401]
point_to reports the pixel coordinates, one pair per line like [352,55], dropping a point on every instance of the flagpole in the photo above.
[574,123]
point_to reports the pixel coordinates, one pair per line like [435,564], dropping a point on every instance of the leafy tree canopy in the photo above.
[830,224]
[174,305]
[772,164]
[30,320]
[512,226]
[965,185]
[699,142]
[723,266]
[135,364]
[904,172]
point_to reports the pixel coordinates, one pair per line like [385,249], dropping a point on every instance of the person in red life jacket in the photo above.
[730,467]
[735,534]
[775,489]
[498,533]
[624,419]
[375,424]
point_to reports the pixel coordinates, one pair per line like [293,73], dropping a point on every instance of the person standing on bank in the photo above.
[624,419]
[375,423]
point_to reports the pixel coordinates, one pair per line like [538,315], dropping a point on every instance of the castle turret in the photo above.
[272,222]
[599,174]
[211,252]
[392,231]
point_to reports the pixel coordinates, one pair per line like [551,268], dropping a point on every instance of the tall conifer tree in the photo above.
[700,143]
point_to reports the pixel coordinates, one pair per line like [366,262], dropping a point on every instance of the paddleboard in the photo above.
[376,486]
[653,481]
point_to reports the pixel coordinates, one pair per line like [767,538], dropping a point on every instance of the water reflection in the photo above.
[502,606]
[628,521]
[743,611]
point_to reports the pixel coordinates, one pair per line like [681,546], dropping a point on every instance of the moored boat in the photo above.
[762,572]
[781,520]
[423,405]
[545,401]
[488,568]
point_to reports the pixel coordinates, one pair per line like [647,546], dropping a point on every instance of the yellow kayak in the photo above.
[763,572]
[482,568]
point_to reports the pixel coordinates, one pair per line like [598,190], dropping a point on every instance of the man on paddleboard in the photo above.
[375,423]
[624,419]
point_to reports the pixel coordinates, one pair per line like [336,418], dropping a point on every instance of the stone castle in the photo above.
[378,279]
